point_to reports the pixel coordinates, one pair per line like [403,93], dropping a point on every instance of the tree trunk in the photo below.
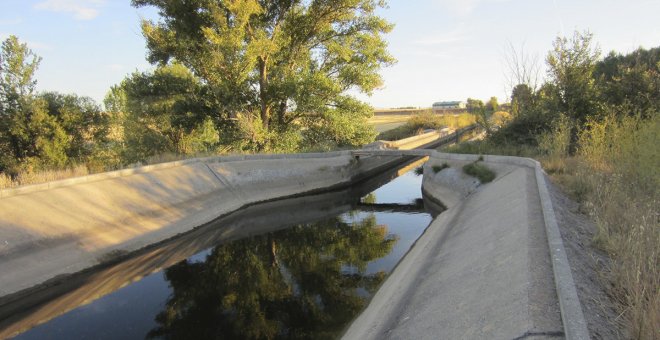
[281,113]
[263,87]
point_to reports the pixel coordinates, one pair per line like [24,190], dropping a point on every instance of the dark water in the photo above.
[297,268]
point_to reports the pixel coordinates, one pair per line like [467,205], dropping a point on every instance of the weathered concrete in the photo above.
[483,269]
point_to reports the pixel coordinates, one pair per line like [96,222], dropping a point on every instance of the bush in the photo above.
[480,171]
[438,168]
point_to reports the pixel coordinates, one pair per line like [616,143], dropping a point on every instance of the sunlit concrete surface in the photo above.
[483,269]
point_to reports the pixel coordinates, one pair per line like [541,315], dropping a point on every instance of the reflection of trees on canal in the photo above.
[304,282]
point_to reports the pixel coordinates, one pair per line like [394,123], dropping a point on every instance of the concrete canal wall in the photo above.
[65,226]
[492,266]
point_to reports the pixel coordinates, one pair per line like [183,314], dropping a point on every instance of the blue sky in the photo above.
[446,49]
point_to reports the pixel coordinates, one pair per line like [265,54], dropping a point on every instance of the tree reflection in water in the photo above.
[308,281]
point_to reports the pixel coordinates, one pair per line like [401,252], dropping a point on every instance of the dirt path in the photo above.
[588,266]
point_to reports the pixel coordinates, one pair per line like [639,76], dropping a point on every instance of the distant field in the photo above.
[388,122]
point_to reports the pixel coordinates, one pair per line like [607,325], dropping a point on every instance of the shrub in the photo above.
[480,171]
[438,168]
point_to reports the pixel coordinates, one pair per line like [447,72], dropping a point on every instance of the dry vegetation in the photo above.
[388,121]
[30,176]
[416,124]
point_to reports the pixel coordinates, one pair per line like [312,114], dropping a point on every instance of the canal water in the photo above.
[296,268]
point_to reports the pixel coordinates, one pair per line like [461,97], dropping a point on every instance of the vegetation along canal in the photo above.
[297,268]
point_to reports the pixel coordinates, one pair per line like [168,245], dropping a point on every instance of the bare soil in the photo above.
[589,268]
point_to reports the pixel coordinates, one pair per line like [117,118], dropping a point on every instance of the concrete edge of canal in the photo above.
[492,266]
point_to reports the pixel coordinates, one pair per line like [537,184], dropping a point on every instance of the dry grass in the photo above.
[621,189]
[383,123]
[27,177]
[41,176]
[427,120]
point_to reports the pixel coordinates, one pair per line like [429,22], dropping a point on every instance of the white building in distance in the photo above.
[448,105]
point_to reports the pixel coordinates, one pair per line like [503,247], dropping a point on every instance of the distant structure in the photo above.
[440,106]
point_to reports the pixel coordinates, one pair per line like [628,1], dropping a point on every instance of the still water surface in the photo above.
[298,268]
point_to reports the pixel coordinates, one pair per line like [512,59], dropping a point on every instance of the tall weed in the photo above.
[622,162]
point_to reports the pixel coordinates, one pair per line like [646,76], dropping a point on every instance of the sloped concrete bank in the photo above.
[62,227]
[490,267]
[67,228]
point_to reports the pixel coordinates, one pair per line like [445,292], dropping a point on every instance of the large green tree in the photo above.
[571,65]
[283,65]
[29,136]
[631,82]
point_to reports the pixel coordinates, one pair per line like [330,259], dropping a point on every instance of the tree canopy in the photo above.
[278,66]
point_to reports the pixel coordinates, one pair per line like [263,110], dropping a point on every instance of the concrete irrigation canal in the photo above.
[352,244]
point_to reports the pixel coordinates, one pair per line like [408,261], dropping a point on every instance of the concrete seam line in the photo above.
[575,326]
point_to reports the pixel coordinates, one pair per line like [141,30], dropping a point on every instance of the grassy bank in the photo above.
[614,176]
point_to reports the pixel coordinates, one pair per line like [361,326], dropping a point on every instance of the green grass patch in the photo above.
[480,171]
[438,168]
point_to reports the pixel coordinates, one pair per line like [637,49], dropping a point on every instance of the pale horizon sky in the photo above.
[446,49]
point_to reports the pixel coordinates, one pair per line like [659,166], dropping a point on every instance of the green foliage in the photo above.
[571,66]
[480,171]
[475,106]
[17,66]
[492,105]
[29,136]
[556,142]
[630,81]
[288,63]
[163,112]
[522,99]
[83,122]
[438,168]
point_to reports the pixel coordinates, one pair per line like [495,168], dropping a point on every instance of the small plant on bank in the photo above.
[438,168]
[480,171]
[419,171]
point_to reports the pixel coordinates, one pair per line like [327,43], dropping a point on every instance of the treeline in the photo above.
[582,88]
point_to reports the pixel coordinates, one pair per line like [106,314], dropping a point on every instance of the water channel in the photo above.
[296,268]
